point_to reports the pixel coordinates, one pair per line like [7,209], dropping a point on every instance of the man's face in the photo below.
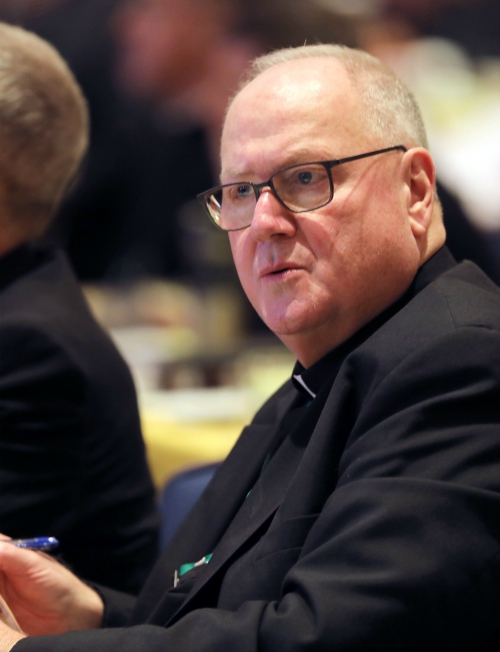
[161,44]
[315,278]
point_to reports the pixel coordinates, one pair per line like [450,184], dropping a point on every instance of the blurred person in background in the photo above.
[474,24]
[72,458]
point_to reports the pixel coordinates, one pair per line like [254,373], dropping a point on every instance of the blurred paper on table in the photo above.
[7,616]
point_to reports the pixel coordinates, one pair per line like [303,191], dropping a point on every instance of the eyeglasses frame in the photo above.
[257,187]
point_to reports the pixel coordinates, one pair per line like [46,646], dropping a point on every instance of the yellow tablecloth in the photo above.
[173,446]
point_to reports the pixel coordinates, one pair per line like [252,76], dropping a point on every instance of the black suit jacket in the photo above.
[376,524]
[72,459]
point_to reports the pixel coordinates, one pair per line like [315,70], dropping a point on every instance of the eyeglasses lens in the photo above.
[232,206]
[303,187]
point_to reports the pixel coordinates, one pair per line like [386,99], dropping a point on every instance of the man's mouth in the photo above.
[279,271]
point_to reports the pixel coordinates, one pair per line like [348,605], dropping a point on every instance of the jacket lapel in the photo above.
[260,505]
[202,529]
[220,502]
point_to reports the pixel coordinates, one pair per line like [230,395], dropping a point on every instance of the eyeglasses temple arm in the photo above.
[339,161]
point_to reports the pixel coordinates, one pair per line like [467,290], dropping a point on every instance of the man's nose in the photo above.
[271,218]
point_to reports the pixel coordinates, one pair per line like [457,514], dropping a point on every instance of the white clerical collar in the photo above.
[300,380]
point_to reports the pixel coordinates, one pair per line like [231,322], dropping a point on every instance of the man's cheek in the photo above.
[243,256]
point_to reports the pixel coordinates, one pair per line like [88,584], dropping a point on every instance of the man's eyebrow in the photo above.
[292,158]
[230,173]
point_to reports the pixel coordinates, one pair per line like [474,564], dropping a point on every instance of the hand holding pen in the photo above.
[44,596]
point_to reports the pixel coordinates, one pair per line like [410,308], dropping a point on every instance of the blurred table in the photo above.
[195,395]
[183,428]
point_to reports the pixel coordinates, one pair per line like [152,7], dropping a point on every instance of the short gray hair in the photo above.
[44,127]
[391,111]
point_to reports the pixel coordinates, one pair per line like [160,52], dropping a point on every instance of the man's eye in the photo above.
[244,191]
[305,177]
[237,192]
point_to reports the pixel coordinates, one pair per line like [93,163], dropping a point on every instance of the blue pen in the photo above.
[38,543]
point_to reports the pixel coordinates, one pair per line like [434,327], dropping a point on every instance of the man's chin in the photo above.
[286,326]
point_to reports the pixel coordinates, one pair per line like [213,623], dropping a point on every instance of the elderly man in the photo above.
[361,508]
[72,459]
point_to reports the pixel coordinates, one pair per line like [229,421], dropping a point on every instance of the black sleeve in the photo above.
[117,606]
[69,467]
[42,399]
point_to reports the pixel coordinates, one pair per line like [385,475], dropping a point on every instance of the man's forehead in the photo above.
[292,91]
[298,106]
[295,82]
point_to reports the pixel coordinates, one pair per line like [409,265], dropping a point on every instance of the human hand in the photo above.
[44,596]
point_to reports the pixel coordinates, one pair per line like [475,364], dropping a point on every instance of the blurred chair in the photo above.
[179,495]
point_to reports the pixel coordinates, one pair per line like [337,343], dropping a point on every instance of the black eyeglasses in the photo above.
[299,188]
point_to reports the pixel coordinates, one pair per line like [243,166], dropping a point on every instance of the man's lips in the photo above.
[278,270]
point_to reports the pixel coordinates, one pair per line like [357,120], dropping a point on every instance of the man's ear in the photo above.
[420,176]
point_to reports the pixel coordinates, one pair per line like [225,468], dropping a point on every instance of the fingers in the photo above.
[17,560]
[21,567]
